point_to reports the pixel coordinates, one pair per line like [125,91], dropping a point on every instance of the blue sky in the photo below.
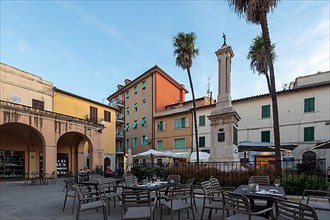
[89,47]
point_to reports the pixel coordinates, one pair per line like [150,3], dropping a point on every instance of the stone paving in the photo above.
[45,202]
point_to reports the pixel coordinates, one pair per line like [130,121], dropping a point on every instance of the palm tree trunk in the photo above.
[272,92]
[194,113]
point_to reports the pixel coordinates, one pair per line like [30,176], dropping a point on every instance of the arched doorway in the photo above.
[23,146]
[106,164]
[73,153]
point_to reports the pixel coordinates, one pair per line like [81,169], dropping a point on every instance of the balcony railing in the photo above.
[120,135]
[119,150]
[117,103]
[119,118]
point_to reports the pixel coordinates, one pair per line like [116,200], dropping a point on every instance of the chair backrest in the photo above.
[236,203]
[135,198]
[261,180]
[175,178]
[215,184]
[131,180]
[288,210]
[180,191]
[94,176]
[207,188]
[190,181]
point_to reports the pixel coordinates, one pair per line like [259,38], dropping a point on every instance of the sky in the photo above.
[89,47]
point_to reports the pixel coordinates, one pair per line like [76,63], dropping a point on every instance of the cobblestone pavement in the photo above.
[45,202]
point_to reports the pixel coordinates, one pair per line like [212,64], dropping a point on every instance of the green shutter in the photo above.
[183,122]
[202,120]
[159,145]
[309,105]
[309,134]
[201,142]
[179,143]
[265,111]
[265,136]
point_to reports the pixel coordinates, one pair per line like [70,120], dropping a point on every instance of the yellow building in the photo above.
[45,130]
[95,113]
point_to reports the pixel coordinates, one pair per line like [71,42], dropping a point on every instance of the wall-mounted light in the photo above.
[102,122]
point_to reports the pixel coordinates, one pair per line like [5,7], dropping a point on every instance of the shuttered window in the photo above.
[265,136]
[201,141]
[309,105]
[309,134]
[265,111]
[202,120]
[179,143]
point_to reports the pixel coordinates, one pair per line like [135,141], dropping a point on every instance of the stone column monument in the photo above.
[224,119]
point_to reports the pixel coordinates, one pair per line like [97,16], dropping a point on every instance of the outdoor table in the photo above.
[156,186]
[268,193]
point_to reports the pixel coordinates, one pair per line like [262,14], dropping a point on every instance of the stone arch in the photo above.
[26,146]
[72,148]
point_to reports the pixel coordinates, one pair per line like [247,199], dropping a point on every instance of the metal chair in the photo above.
[240,206]
[108,190]
[130,180]
[70,191]
[179,198]
[318,199]
[136,204]
[288,210]
[90,200]
[211,201]
[174,178]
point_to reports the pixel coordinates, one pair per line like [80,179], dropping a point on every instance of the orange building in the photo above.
[137,102]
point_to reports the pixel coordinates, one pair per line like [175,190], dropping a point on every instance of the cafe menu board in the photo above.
[62,165]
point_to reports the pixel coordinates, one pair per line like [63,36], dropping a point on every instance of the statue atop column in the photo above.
[224,39]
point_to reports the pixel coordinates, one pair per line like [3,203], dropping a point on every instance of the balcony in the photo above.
[119,119]
[119,150]
[120,135]
[117,103]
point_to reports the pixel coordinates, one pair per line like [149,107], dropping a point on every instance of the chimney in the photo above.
[119,87]
[127,81]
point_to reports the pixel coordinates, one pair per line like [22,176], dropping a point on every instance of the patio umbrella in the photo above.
[151,153]
[129,160]
[322,145]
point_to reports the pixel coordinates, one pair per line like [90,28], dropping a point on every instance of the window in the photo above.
[144,121]
[135,142]
[161,126]
[127,94]
[134,125]
[127,143]
[143,85]
[265,136]
[160,145]
[38,104]
[93,114]
[107,116]
[179,143]
[143,140]
[309,105]
[144,102]
[127,127]
[201,120]
[135,90]
[309,134]
[127,110]
[201,141]
[265,111]
[181,123]
[135,107]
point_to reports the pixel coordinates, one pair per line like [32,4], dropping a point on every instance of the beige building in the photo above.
[38,136]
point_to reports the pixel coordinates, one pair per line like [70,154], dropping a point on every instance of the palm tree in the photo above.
[257,57]
[255,11]
[184,52]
